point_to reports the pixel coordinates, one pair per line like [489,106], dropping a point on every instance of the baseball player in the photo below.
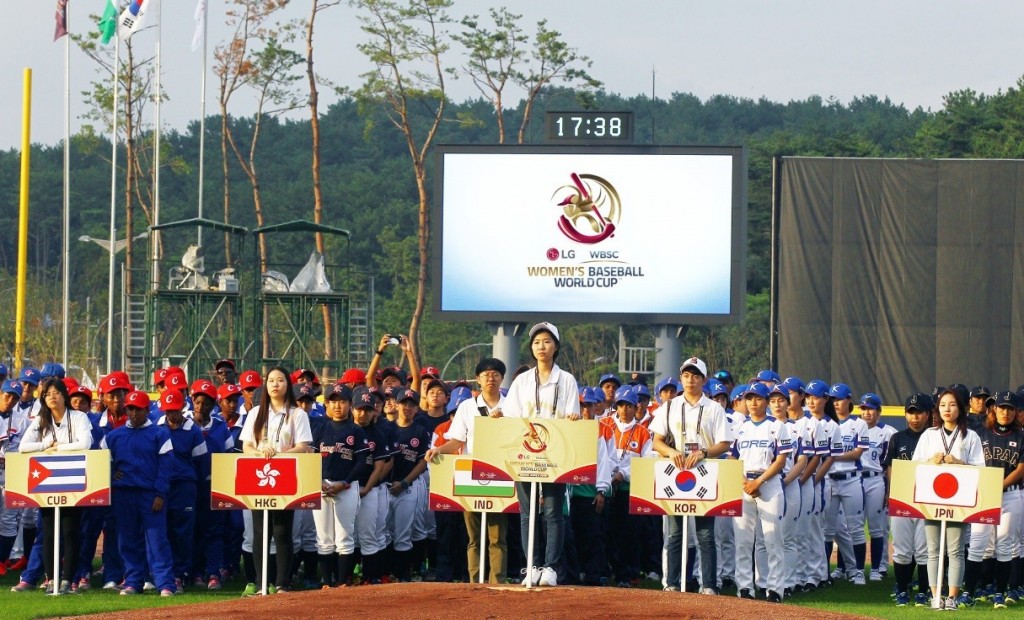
[825,426]
[872,480]
[607,384]
[411,440]
[1002,441]
[763,444]
[908,540]
[793,523]
[209,542]
[373,500]
[848,443]
[187,446]
[140,453]
[12,428]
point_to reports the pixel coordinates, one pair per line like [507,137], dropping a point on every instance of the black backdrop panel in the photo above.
[898,275]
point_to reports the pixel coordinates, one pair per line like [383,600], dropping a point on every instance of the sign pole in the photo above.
[483,542]
[54,578]
[942,555]
[530,535]
[266,549]
[683,576]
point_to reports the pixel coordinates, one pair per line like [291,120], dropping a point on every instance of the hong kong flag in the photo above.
[258,476]
[945,485]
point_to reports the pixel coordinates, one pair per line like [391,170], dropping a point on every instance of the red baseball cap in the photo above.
[224,362]
[430,371]
[228,390]
[250,379]
[159,375]
[176,381]
[138,399]
[204,387]
[305,371]
[172,400]
[79,390]
[353,375]
[70,383]
[116,380]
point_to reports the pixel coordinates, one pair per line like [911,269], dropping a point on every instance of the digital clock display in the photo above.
[589,127]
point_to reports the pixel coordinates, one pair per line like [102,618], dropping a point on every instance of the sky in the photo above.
[912,51]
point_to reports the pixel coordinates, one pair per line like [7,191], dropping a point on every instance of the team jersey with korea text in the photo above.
[878,443]
[901,447]
[757,444]
[823,430]
[617,444]
[377,449]
[803,441]
[849,434]
[188,446]
[411,443]
[340,445]
[1004,450]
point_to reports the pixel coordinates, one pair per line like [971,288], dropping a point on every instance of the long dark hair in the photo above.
[830,411]
[961,409]
[990,420]
[45,414]
[264,411]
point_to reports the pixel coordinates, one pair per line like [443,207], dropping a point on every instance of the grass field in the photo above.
[872,599]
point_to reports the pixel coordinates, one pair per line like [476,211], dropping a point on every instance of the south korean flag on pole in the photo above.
[133,17]
[699,483]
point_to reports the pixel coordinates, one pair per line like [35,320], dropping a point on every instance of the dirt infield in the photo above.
[452,600]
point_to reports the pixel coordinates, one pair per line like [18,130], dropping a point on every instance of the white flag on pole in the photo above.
[200,17]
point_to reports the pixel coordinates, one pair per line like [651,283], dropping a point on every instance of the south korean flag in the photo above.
[699,483]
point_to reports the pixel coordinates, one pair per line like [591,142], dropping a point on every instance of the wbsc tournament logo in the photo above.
[590,209]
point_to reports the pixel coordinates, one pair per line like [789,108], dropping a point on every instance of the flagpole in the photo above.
[113,208]
[67,189]
[202,125]
[154,241]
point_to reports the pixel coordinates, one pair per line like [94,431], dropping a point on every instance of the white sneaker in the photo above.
[710,591]
[548,577]
[875,576]
[110,585]
[837,575]
[149,585]
[937,602]
[857,578]
[536,576]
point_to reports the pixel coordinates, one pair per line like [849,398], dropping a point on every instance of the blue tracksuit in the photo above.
[96,520]
[208,551]
[188,447]
[141,463]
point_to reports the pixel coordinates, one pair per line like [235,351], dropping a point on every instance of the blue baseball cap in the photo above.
[625,394]
[918,402]
[724,376]
[757,389]
[816,387]
[3,370]
[793,384]
[641,391]
[458,396]
[590,396]
[12,387]
[871,400]
[840,391]
[1006,399]
[714,387]
[668,382]
[769,375]
[778,390]
[29,375]
[610,376]
[52,369]
[737,392]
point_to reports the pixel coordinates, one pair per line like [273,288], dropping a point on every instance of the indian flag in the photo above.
[468,486]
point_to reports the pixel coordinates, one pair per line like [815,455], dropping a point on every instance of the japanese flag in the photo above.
[259,476]
[945,485]
[699,483]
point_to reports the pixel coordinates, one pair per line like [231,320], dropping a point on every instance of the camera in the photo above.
[393,341]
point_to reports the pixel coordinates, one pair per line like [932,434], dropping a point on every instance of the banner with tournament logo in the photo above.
[537,449]
[463,484]
[960,493]
[65,479]
[284,482]
[714,488]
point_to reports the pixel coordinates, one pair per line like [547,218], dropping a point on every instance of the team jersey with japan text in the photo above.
[849,434]
[340,445]
[878,443]
[617,444]
[411,443]
[1003,450]
[757,444]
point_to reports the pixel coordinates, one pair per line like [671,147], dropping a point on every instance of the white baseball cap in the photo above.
[547,327]
[695,362]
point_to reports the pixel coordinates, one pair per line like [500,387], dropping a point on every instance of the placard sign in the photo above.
[960,493]
[536,450]
[463,484]
[78,478]
[714,488]
[284,482]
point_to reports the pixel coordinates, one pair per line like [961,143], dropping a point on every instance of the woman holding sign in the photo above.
[58,428]
[950,442]
[277,425]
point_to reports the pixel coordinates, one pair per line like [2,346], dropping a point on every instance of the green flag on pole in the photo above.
[108,23]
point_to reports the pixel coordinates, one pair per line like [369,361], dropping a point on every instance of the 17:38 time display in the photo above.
[589,127]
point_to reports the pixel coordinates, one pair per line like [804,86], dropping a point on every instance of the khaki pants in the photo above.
[497,550]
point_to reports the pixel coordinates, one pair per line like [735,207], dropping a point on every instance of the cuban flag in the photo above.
[947,485]
[697,484]
[133,17]
[57,474]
